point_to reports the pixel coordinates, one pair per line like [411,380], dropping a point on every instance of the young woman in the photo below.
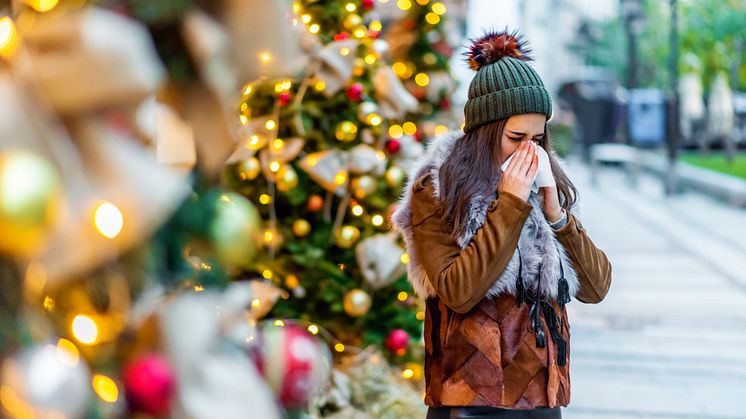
[495,259]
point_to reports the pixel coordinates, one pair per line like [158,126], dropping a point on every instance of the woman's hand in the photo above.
[521,171]
[552,209]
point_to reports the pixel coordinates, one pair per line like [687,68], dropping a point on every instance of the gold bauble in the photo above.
[346,131]
[363,186]
[347,236]
[301,227]
[29,197]
[394,176]
[357,302]
[287,179]
[352,21]
[249,169]
[233,231]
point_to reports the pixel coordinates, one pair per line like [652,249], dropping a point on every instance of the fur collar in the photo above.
[538,243]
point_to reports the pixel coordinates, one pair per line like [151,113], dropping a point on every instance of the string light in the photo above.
[48,303]
[198,287]
[344,51]
[374,120]
[439,8]
[423,2]
[106,388]
[306,18]
[274,166]
[296,7]
[359,32]
[370,59]
[256,303]
[400,69]
[85,329]
[420,315]
[279,323]
[313,329]
[357,210]
[319,85]
[244,120]
[68,353]
[265,199]
[291,281]
[267,274]
[339,347]
[270,125]
[441,129]
[422,79]
[407,373]
[404,258]
[396,131]
[108,219]
[314,28]
[404,4]
[265,57]
[410,128]
[377,220]
[376,26]
[402,296]
[340,178]
[350,7]
[432,18]
[42,6]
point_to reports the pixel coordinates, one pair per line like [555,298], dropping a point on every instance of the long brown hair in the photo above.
[474,158]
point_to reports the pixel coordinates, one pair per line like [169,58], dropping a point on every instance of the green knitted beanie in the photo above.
[505,84]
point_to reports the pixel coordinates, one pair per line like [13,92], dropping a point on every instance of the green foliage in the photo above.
[718,163]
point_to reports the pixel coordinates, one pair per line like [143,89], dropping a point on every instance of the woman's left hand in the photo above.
[552,208]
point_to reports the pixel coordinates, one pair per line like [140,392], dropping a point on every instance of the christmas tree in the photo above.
[319,159]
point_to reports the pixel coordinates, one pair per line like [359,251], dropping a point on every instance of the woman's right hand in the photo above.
[521,171]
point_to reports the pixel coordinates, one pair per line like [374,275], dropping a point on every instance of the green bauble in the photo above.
[234,231]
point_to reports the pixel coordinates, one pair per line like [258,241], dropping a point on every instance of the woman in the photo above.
[495,260]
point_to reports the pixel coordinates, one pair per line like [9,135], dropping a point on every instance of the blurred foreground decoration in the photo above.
[131,279]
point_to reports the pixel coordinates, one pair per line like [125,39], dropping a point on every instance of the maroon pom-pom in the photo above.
[493,46]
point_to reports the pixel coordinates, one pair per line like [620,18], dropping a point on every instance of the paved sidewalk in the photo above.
[669,341]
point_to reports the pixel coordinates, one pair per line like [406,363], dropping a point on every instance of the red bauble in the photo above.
[284,98]
[341,36]
[393,146]
[418,136]
[294,363]
[355,92]
[315,203]
[397,341]
[368,4]
[149,385]
[445,104]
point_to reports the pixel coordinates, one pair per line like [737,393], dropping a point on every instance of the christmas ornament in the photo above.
[368,4]
[301,227]
[341,36]
[363,186]
[315,203]
[356,303]
[393,98]
[381,47]
[47,380]
[287,179]
[277,154]
[328,168]
[352,21]
[248,169]
[379,259]
[397,341]
[337,60]
[347,236]
[355,92]
[392,145]
[149,384]
[29,199]
[346,131]
[294,363]
[366,159]
[233,231]
[365,110]
[284,98]
[394,176]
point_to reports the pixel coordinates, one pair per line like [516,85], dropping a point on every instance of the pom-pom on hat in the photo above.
[505,84]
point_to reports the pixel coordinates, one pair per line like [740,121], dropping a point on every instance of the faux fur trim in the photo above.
[538,243]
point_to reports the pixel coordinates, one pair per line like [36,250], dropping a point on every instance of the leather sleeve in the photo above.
[461,277]
[590,263]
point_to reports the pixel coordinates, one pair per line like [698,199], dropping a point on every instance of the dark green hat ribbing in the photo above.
[505,84]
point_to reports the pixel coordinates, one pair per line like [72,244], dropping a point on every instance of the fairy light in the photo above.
[8,37]
[270,125]
[423,2]
[420,315]
[244,107]
[400,69]
[48,303]
[359,32]
[377,220]
[404,4]
[404,258]
[396,131]
[42,6]
[340,178]
[439,8]
[268,236]
[370,59]
[278,144]
[244,120]
[85,329]
[105,388]
[313,329]
[357,210]
[279,323]
[402,296]
[296,7]
[265,199]
[339,347]
[198,287]
[407,373]
[267,274]
[319,85]
[274,166]
[256,303]
[432,18]
[409,127]
[350,7]
[422,79]
[314,28]
[247,90]
[292,281]
[376,26]
[441,129]
[305,18]
[108,220]
[374,120]
[344,51]
[265,57]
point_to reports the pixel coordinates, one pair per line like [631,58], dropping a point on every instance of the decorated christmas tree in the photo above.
[318,158]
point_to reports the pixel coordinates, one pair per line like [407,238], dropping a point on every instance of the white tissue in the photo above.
[543,177]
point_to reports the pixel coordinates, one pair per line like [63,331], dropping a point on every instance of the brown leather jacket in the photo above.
[481,352]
